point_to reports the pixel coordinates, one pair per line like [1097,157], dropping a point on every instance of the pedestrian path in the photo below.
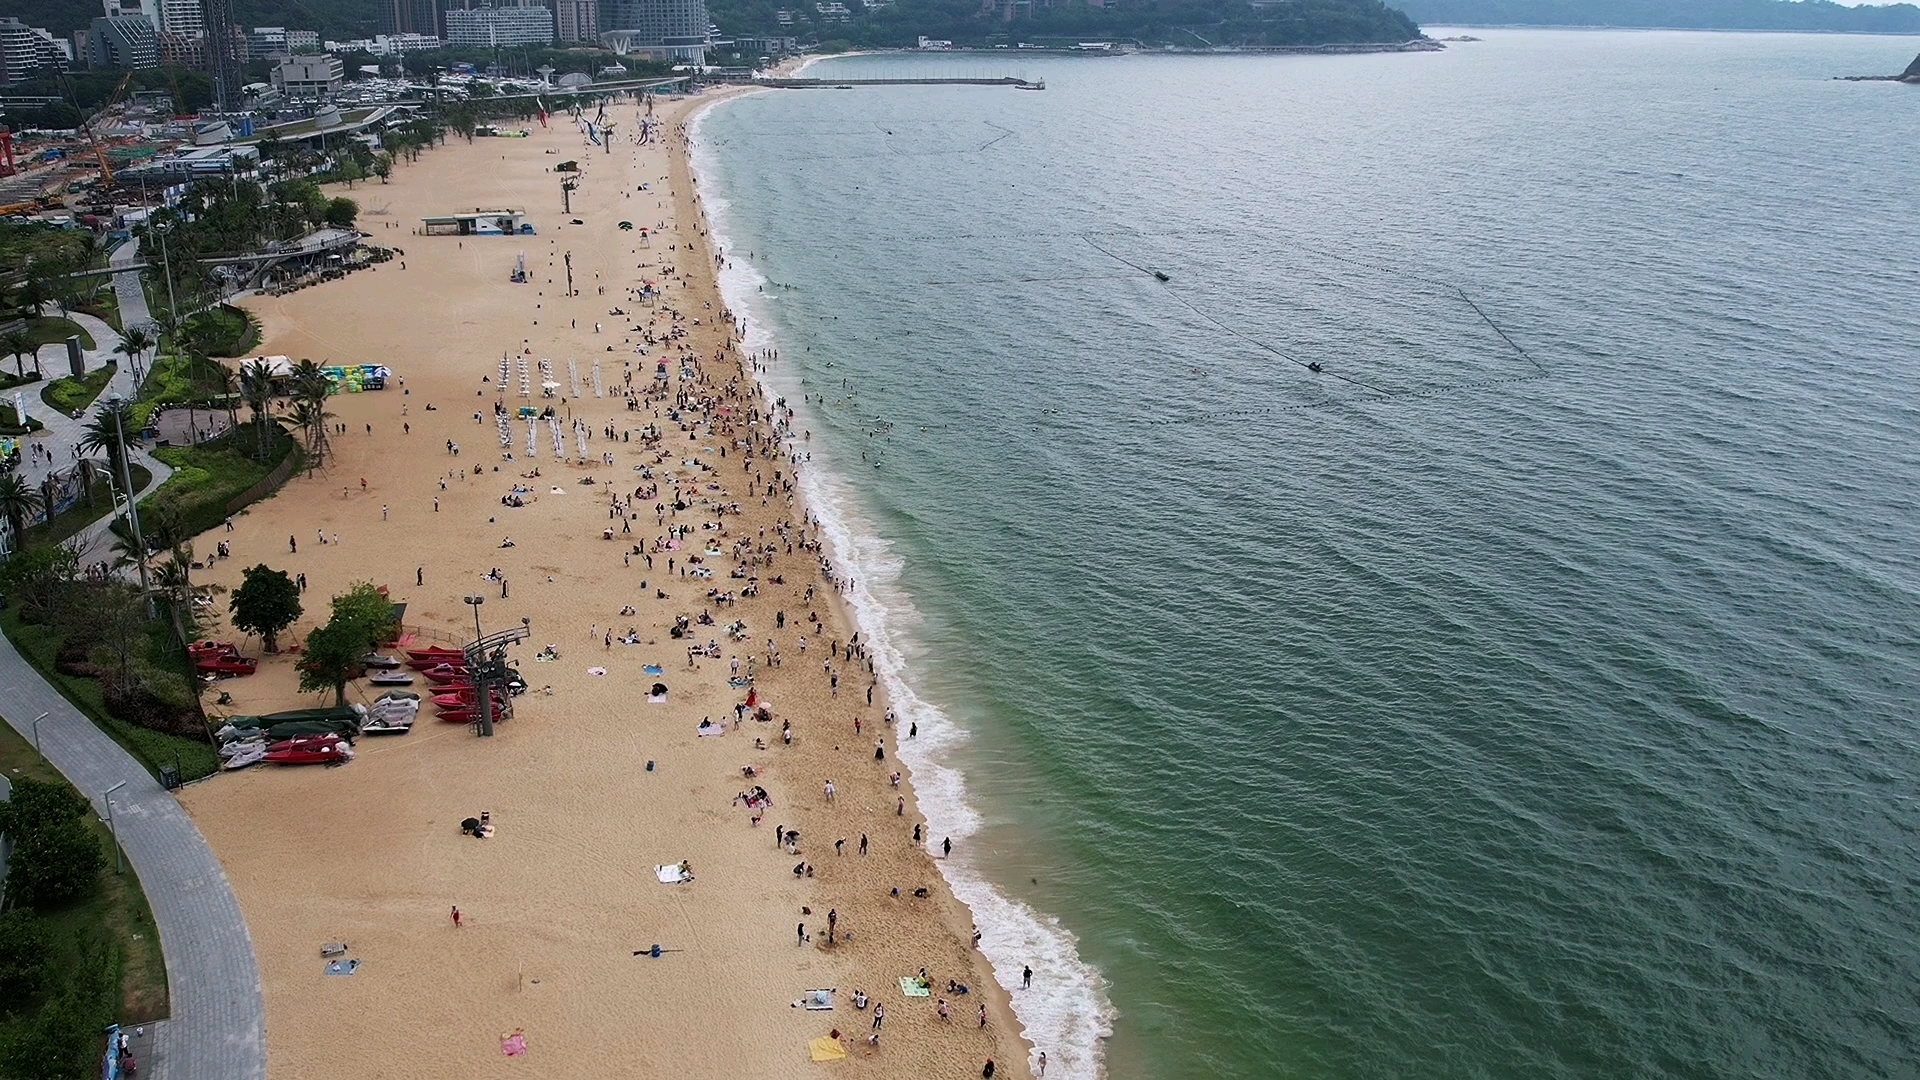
[218,1023]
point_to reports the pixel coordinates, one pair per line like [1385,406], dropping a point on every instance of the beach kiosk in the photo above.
[479,223]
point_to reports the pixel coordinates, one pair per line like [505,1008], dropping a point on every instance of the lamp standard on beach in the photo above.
[474,602]
[119,860]
[36,731]
[477,663]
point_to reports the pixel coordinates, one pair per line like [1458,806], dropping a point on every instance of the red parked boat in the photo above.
[459,716]
[311,750]
[448,676]
[226,667]
[436,654]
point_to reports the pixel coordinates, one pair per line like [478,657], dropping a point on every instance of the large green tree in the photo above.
[266,603]
[56,858]
[335,653]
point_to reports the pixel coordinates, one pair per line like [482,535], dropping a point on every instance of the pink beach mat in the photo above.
[514,1045]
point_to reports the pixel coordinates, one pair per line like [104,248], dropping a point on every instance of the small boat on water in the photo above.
[310,750]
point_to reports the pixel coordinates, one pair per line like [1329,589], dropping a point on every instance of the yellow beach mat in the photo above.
[826,1049]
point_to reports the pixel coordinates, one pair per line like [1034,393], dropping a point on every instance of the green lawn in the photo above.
[71,395]
[116,919]
[174,379]
[227,331]
[209,475]
[54,330]
[40,644]
[80,515]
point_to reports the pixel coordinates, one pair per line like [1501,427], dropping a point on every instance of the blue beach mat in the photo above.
[912,987]
[343,967]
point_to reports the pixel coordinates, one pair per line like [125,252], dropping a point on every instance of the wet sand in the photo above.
[556,904]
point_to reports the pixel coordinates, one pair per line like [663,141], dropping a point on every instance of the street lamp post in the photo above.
[119,860]
[36,731]
[133,509]
[482,686]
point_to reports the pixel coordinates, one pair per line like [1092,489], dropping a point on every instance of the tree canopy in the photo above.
[1177,22]
[266,603]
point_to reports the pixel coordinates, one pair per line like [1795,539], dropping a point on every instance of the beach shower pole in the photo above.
[36,731]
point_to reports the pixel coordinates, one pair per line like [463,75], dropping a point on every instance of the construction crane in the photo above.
[106,170]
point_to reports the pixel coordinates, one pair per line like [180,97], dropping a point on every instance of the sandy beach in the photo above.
[590,785]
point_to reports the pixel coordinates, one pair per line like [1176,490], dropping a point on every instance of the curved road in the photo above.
[218,1026]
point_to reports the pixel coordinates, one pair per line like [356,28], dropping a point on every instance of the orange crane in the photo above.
[106,170]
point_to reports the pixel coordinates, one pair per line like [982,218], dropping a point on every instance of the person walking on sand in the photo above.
[800,935]
[879,1016]
[863,845]
[456,917]
[293,546]
[983,1016]
[829,790]
[945,1013]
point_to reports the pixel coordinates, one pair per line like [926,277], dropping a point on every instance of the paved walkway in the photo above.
[63,433]
[218,1026]
[126,285]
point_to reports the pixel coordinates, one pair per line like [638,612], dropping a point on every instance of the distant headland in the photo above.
[1805,16]
[1911,75]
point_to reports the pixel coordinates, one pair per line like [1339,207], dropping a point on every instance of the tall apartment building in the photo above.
[182,17]
[303,41]
[264,42]
[181,50]
[25,50]
[577,20]
[491,27]
[659,29]
[425,17]
[123,41]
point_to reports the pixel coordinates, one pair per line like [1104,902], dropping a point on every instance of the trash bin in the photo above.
[169,777]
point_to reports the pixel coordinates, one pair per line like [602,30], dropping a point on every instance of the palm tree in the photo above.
[174,582]
[89,471]
[256,385]
[134,344]
[310,389]
[19,343]
[18,500]
[103,433]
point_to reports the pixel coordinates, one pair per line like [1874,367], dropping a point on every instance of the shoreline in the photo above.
[1073,1020]
[539,902]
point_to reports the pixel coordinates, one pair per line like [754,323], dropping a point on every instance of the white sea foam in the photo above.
[1067,1013]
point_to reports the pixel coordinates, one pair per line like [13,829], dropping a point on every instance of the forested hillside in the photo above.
[978,22]
[1806,15]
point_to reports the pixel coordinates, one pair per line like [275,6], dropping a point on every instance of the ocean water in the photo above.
[1529,692]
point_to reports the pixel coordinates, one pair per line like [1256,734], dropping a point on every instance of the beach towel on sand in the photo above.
[343,967]
[816,1001]
[913,987]
[826,1049]
[514,1045]
[671,875]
